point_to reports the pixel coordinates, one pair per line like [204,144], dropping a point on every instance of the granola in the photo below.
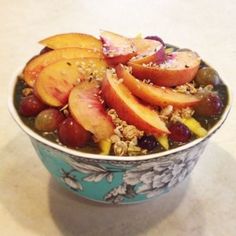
[188,88]
[125,138]
[169,114]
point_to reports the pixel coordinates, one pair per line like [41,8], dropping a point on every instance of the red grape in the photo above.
[30,106]
[72,134]
[48,120]
[179,132]
[207,75]
[210,105]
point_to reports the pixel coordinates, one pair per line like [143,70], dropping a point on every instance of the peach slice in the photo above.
[154,95]
[129,108]
[180,68]
[86,107]
[115,44]
[34,66]
[148,51]
[57,79]
[117,48]
[144,45]
[113,61]
[72,40]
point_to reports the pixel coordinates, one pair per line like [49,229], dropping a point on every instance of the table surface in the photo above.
[31,203]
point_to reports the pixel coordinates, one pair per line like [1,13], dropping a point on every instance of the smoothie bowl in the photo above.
[117,119]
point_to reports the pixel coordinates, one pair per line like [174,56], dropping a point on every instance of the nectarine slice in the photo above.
[72,40]
[148,51]
[34,67]
[129,108]
[180,68]
[115,44]
[117,48]
[57,79]
[144,45]
[86,107]
[160,96]
[123,59]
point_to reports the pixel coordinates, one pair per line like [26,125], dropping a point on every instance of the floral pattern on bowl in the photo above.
[115,181]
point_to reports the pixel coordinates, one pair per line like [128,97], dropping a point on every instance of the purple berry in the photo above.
[147,142]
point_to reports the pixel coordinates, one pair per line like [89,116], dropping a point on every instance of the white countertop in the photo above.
[31,203]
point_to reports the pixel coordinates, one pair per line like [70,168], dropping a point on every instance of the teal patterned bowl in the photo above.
[112,179]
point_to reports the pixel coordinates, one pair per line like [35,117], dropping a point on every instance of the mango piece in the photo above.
[195,127]
[163,140]
[105,146]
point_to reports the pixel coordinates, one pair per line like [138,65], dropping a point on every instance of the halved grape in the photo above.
[72,134]
[207,75]
[179,132]
[210,105]
[31,106]
[48,120]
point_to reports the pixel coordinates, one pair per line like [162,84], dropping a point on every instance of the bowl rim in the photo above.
[101,157]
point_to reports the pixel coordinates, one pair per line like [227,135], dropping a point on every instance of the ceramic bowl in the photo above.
[113,179]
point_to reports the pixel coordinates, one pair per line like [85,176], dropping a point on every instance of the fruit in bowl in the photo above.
[112,118]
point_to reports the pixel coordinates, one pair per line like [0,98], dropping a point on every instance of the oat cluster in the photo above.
[169,114]
[125,137]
